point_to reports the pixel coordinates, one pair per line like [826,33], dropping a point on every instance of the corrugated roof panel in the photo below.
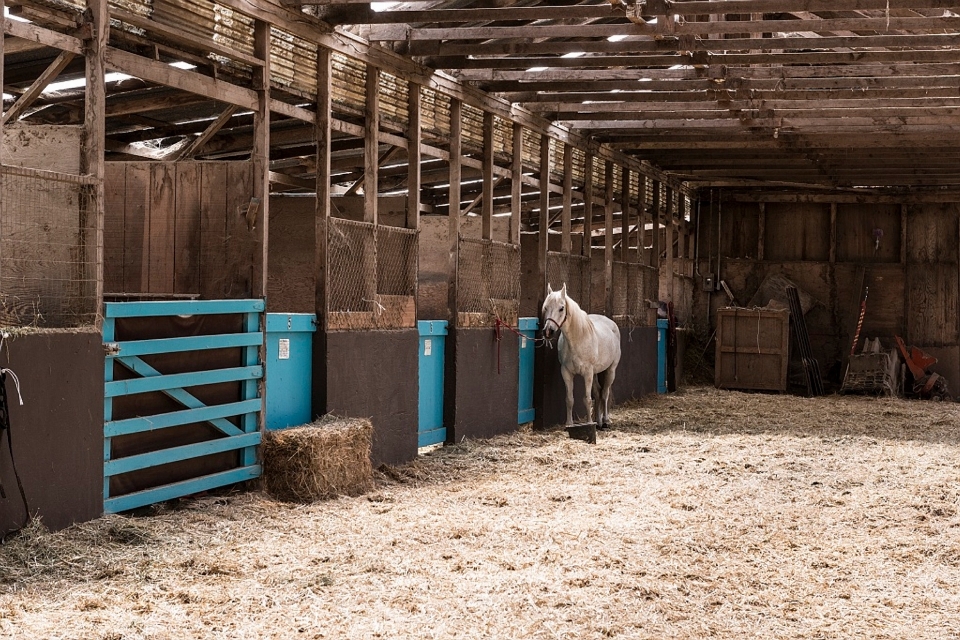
[502,141]
[472,129]
[138,7]
[579,156]
[195,18]
[349,81]
[394,94]
[293,61]
[531,150]
[232,29]
[435,114]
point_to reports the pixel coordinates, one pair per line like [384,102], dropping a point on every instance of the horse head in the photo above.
[554,311]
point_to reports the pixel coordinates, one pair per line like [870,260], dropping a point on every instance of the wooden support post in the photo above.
[516,183]
[903,235]
[762,230]
[94,139]
[641,218]
[608,237]
[261,189]
[655,220]
[669,232]
[587,207]
[413,156]
[371,145]
[544,240]
[322,220]
[261,155]
[833,231]
[486,209]
[453,233]
[566,242]
[624,214]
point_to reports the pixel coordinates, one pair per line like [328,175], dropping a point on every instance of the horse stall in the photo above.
[483,361]
[618,278]
[182,329]
[51,407]
[366,343]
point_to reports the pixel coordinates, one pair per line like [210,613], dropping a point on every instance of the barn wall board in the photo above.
[481,383]
[796,231]
[180,228]
[857,225]
[57,434]
[372,374]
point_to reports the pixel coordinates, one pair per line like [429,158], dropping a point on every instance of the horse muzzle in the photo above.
[549,332]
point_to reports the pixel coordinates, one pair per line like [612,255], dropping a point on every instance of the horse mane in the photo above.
[577,318]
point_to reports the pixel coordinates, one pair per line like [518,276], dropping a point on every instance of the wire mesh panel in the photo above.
[488,282]
[48,250]
[372,276]
[621,291]
[572,270]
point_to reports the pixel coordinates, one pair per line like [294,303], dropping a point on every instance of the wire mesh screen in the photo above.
[572,270]
[488,282]
[621,289]
[631,286]
[372,276]
[48,250]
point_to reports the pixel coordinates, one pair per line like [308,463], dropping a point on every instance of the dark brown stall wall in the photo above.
[372,374]
[479,402]
[636,377]
[57,434]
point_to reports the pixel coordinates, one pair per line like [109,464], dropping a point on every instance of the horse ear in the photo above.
[549,289]
[564,290]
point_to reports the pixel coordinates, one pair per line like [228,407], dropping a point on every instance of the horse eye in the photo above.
[561,308]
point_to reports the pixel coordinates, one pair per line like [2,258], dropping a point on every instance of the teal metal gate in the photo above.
[430,429]
[528,334]
[234,423]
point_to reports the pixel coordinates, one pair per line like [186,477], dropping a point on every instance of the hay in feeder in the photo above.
[324,459]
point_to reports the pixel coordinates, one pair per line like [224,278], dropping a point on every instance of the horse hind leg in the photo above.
[597,395]
[608,378]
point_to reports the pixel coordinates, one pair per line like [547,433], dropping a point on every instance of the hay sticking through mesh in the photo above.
[324,459]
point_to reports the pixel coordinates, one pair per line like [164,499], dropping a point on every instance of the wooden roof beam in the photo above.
[34,90]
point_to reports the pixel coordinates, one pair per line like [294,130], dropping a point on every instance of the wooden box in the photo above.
[753,348]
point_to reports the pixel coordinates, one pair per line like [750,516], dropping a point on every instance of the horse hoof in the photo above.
[605,426]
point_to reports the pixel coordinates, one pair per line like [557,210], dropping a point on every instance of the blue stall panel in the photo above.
[662,326]
[289,369]
[430,429]
[525,411]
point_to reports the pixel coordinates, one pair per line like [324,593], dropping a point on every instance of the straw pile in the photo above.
[703,514]
[324,459]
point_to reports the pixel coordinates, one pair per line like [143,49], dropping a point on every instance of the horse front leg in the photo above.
[568,382]
[588,394]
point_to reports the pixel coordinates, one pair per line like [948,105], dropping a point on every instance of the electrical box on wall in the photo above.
[709,283]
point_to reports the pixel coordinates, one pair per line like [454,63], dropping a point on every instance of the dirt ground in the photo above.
[703,514]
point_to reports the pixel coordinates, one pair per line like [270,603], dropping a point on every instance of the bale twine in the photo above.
[323,459]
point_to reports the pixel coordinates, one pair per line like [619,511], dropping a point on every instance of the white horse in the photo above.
[589,345]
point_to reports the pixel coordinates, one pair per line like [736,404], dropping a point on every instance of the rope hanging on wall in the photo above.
[5,426]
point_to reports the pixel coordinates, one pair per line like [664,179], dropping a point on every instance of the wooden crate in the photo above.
[753,348]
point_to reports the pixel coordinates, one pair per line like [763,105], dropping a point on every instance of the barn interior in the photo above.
[388,163]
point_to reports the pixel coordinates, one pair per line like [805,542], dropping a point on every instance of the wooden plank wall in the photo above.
[831,251]
[179,229]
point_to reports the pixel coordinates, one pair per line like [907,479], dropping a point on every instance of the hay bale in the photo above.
[323,459]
